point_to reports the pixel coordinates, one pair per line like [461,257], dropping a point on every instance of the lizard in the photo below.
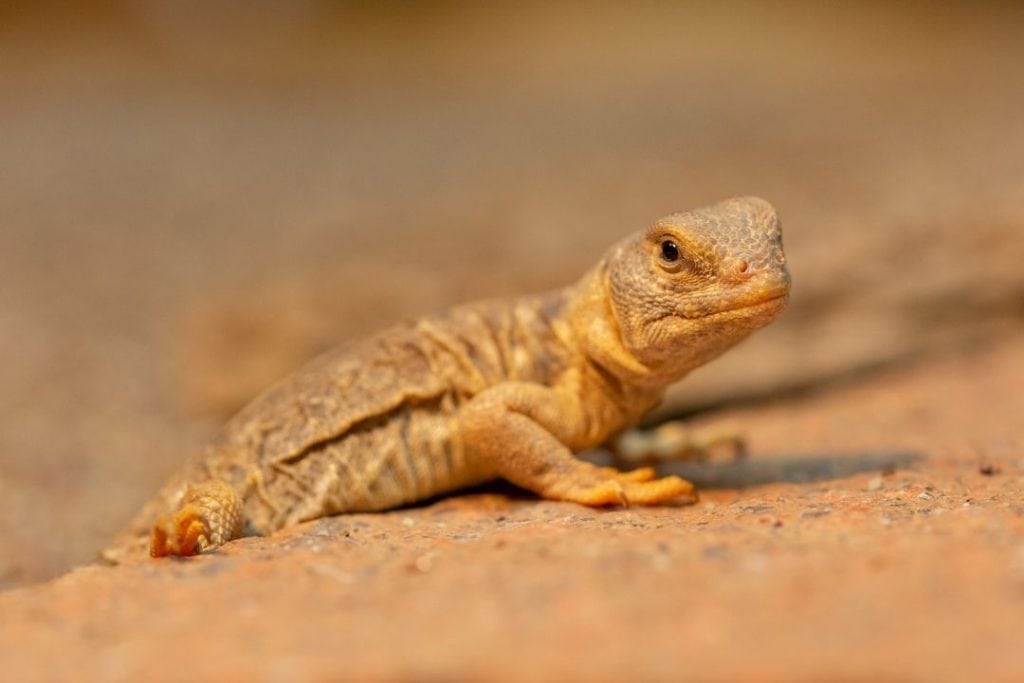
[510,389]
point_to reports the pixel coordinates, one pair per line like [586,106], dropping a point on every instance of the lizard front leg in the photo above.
[520,430]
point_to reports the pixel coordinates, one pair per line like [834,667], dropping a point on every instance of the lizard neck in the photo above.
[599,338]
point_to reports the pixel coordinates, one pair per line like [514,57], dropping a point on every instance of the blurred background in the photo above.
[195,197]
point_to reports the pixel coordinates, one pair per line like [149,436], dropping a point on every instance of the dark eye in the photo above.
[670,251]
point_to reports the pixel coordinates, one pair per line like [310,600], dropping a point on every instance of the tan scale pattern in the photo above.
[509,389]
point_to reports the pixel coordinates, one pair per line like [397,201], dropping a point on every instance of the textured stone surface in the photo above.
[877,533]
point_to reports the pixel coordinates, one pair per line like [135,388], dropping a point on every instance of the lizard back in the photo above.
[374,424]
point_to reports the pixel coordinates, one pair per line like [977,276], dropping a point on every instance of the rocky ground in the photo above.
[876,533]
[195,201]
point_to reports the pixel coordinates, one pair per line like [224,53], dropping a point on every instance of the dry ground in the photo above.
[194,201]
[878,534]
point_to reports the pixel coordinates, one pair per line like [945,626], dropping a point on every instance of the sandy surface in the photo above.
[195,201]
[895,553]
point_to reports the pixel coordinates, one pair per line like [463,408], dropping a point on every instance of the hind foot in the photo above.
[209,515]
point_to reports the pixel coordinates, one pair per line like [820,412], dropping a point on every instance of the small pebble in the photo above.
[988,470]
[876,484]
[425,563]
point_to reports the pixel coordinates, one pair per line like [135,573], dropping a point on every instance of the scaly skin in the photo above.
[508,389]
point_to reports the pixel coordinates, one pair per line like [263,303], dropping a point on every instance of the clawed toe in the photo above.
[638,475]
[184,536]
[210,514]
[623,491]
[608,492]
[660,491]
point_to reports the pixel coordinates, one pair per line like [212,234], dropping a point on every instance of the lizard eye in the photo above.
[674,258]
[669,251]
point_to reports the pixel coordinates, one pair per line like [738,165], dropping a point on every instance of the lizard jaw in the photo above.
[778,300]
[766,299]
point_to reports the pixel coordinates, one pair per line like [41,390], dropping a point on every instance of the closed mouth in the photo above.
[774,300]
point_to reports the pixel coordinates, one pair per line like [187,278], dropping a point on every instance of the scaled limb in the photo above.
[209,515]
[520,431]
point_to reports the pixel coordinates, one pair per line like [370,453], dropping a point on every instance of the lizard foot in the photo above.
[608,492]
[675,440]
[660,490]
[623,491]
[637,475]
[209,515]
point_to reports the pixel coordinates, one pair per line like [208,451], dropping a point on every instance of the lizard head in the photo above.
[696,283]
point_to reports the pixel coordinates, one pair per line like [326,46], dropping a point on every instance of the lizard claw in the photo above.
[638,475]
[210,514]
[607,492]
[660,490]
[621,490]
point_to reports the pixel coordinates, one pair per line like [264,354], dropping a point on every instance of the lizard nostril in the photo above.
[736,269]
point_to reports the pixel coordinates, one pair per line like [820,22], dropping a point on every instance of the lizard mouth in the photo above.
[763,301]
[776,299]
[769,305]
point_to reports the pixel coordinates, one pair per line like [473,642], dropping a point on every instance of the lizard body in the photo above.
[508,389]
